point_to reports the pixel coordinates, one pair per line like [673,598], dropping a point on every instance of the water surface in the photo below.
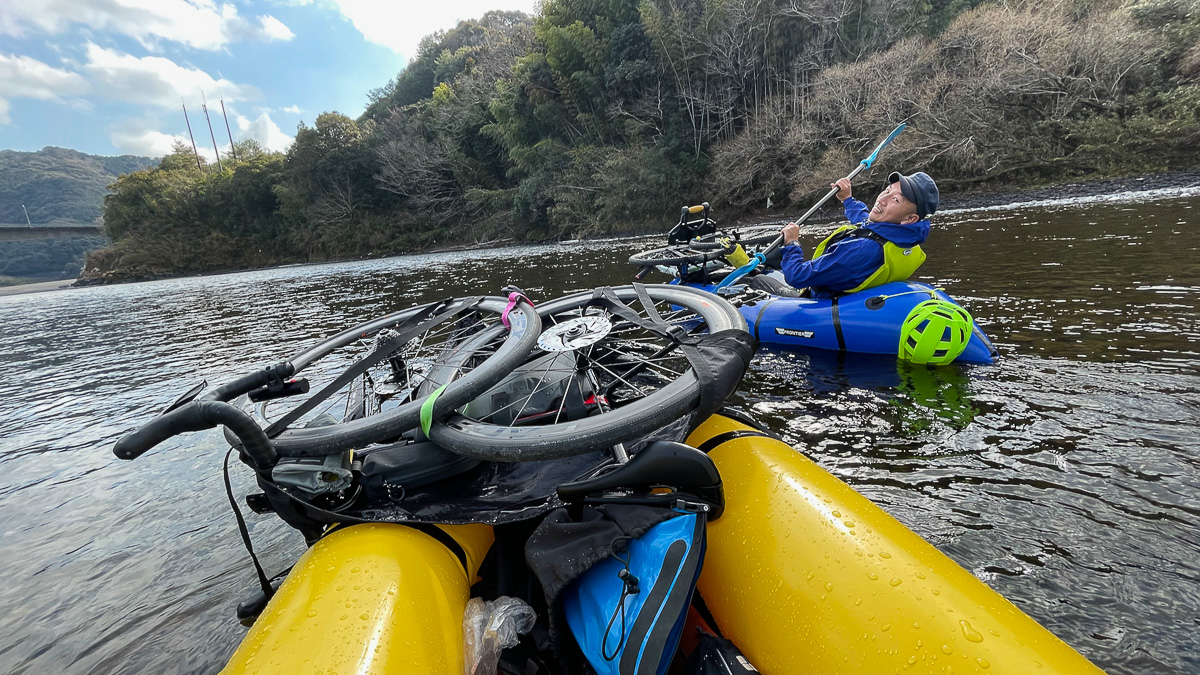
[1067,476]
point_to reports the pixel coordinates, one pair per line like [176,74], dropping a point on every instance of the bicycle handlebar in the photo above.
[198,416]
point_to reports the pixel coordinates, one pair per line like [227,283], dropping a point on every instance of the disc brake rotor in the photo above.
[574,334]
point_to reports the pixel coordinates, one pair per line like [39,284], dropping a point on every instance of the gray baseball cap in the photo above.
[919,189]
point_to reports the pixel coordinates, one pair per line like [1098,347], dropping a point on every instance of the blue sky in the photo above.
[107,76]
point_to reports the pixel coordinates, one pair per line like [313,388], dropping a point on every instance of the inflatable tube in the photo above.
[807,576]
[369,599]
[867,322]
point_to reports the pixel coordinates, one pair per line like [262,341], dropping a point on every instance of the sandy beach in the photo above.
[36,288]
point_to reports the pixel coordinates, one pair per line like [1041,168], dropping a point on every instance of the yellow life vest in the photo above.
[898,263]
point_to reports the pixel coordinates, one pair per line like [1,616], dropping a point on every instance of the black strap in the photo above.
[863,232]
[408,329]
[263,581]
[723,438]
[320,515]
[858,231]
[837,326]
[761,313]
[687,343]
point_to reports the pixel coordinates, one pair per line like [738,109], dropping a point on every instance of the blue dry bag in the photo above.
[627,611]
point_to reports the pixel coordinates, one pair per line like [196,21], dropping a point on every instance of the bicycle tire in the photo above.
[673,255]
[755,235]
[519,342]
[602,431]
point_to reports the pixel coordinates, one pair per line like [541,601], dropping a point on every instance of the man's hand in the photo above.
[790,233]
[843,189]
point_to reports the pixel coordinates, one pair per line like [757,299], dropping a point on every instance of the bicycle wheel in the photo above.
[602,379]
[402,350]
[673,255]
[755,235]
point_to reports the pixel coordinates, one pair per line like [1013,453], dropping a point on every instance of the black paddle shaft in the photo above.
[833,191]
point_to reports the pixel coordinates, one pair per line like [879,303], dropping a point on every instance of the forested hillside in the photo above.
[59,185]
[600,116]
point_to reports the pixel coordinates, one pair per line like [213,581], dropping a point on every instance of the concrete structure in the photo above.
[21,231]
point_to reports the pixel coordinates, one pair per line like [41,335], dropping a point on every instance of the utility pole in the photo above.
[232,149]
[26,216]
[195,152]
[204,106]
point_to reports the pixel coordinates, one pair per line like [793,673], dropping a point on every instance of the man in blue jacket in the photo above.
[858,256]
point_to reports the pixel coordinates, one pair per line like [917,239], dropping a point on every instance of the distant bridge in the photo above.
[19,231]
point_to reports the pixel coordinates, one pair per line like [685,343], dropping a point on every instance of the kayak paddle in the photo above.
[761,256]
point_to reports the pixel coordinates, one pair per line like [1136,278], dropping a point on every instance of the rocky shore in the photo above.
[1089,188]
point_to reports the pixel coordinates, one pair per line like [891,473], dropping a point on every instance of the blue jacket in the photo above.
[850,261]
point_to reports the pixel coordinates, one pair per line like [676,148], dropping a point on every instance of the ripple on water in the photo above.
[1065,476]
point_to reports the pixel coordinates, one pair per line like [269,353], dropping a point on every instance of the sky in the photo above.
[108,77]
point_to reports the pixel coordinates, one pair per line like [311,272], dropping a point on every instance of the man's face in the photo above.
[892,207]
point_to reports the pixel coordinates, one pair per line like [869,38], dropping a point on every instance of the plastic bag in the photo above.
[490,627]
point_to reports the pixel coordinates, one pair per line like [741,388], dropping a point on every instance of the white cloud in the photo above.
[265,131]
[148,143]
[293,109]
[274,28]
[399,26]
[154,80]
[26,77]
[201,24]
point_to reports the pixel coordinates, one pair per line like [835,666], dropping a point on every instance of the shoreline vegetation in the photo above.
[602,117]
[1086,188]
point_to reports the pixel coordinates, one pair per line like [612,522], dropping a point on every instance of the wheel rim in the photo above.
[616,383]
[385,400]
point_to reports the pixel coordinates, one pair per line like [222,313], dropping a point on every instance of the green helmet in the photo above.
[935,332]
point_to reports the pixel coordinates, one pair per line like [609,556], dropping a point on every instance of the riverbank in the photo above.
[36,287]
[970,199]
[985,196]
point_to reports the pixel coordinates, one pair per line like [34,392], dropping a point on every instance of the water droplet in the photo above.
[837,514]
[344,617]
[947,649]
[993,632]
[895,581]
[872,576]
[912,659]
[312,613]
[885,627]
[355,569]
[884,554]
[969,632]
[936,592]
[808,576]
[983,663]
[858,601]
[849,524]
[920,576]
[364,616]
[829,587]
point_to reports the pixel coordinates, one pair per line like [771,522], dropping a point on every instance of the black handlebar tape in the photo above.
[198,416]
[248,383]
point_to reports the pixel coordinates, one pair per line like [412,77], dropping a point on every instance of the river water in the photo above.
[1066,476]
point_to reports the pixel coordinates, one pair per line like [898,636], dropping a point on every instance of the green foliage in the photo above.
[58,258]
[58,185]
[603,116]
